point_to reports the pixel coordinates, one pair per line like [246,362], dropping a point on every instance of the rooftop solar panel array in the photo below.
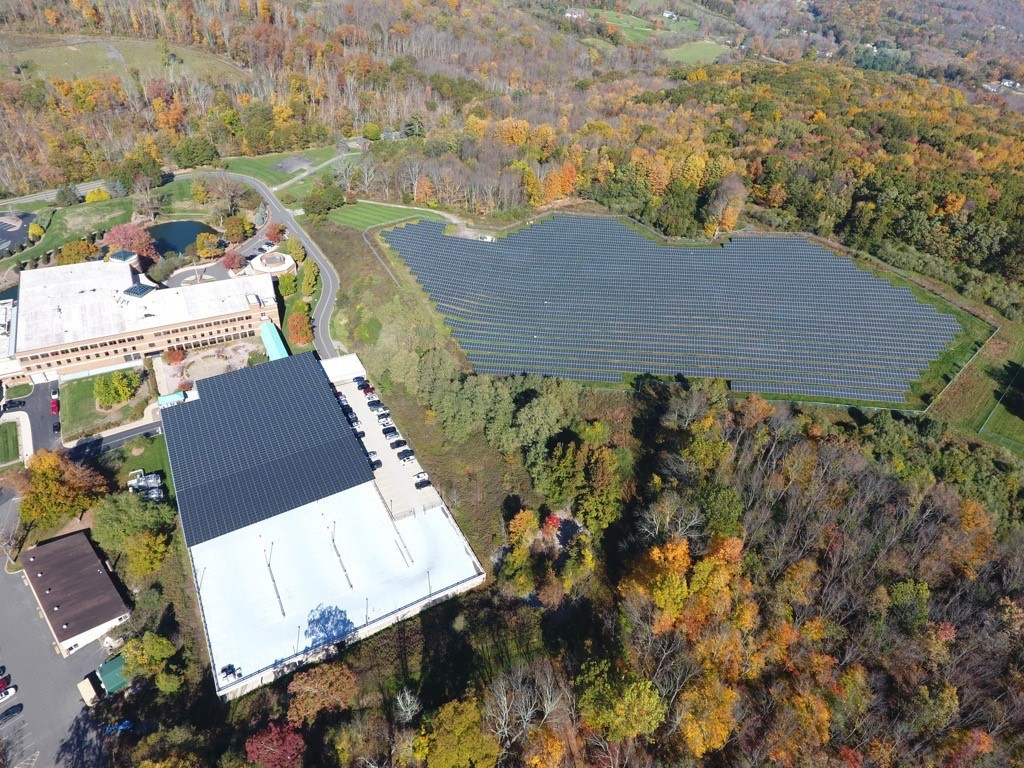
[259,442]
[592,299]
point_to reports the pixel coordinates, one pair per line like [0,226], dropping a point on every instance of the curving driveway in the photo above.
[325,346]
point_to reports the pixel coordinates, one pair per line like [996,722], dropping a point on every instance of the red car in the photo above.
[4,682]
[55,407]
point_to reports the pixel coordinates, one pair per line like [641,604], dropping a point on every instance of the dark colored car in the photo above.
[376,464]
[406,453]
[11,712]
[12,404]
[421,484]
[360,434]
[389,432]
[383,416]
[3,671]
[398,444]
[363,385]
[55,407]
[56,427]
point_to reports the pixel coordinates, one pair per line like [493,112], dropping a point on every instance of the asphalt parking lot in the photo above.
[55,728]
[394,479]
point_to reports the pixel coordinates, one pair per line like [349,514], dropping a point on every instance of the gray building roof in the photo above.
[258,442]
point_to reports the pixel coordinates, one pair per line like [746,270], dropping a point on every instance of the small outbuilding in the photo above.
[75,591]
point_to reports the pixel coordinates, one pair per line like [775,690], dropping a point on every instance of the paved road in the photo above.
[207,272]
[50,194]
[92,447]
[325,345]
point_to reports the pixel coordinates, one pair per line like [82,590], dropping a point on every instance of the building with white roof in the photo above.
[100,315]
[293,548]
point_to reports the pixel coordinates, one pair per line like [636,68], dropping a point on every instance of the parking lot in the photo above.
[394,479]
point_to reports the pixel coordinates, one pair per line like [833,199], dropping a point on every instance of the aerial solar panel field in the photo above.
[594,300]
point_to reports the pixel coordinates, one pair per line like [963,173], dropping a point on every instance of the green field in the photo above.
[78,413]
[18,390]
[369,215]
[9,442]
[261,167]
[703,52]
[119,57]
[153,458]
[638,30]
[76,222]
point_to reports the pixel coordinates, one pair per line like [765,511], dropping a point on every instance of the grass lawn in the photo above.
[703,52]
[633,28]
[9,442]
[78,413]
[19,390]
[76,222]
[261,167]
[117,57]
[153,458]
[367,215]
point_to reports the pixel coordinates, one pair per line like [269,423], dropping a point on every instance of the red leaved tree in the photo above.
[275,232]
[233,260]
[131,237]
[300,332]
[276,746]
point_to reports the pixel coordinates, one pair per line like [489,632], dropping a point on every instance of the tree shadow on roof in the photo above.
[327,624]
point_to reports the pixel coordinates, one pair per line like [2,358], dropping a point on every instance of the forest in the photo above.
[679,578]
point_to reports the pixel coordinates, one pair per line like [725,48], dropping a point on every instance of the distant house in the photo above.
[360,143]
[670,15]
[75,592]
[576,14]
[391,136]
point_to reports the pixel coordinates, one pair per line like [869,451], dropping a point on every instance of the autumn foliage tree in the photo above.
[53,488]
[329,687]
[276,746]
[131,237]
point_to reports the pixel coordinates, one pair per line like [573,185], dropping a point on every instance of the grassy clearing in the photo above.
[152,457]
[262,167]
[76,222]
[389,325]
[364,216]
[19,390]
[703,52]
[103,58]
[79,415]
[9,442]
[633,28]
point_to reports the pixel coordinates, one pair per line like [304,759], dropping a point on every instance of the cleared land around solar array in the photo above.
[592,299]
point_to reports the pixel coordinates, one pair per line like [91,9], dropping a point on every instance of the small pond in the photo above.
[176,236]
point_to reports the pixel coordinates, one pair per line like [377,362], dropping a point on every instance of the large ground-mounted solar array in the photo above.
[593,299]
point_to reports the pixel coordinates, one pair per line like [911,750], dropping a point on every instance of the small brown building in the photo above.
[75,592]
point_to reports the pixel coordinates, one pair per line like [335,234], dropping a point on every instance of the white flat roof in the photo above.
[343,368]
[316,591]
[78,302]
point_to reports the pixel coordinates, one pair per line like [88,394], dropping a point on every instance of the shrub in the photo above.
[115,388]
[174,355]
[66,195]
[372,131]
[75,252]
[97,195]
[35,231]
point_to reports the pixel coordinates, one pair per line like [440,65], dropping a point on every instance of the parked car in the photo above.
[376,464]
[54,394]
[55,407]
[421,484]
[389,432]
[10,713]
[360,434]
[375,405]
[371,393]
[384,416]
[356,424]
[371,454]
[420,476]
[5,682]
[407,453]
[3,671]
[408,459]
[363,385]
[350,415]
[359,379]
[56,427]
[10,405]
[8,694]
[395,445]
[342,399]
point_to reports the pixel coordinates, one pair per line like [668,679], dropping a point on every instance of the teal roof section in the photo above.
[111,674]
[272,341]
[171,399]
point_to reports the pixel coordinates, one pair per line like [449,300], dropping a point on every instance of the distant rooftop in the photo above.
[58,306]
[81,594]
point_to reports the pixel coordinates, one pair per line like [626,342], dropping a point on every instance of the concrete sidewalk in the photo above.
[150,417]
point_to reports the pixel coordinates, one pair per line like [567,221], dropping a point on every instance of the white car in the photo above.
[7,694]
[54,394]
[420,476]
[408,459]
[371,455]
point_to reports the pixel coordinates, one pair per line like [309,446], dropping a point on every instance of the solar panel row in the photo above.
[593,299]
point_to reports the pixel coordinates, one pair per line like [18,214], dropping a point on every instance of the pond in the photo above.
[176,236]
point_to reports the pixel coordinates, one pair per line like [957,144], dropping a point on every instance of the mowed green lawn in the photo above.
[633,28]
[77,222]
[262,167]
[119,57]
[368,215]
[78,411]
[9,442]
[153,458]
[703,52]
